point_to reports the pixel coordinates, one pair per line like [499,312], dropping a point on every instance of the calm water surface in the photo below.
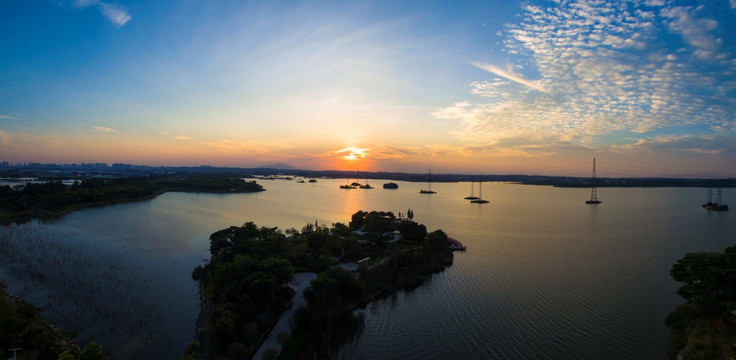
[545,276]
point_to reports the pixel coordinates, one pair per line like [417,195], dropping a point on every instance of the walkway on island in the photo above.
[299,283]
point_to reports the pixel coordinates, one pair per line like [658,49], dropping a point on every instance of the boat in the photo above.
[472,195]
[301,181]
[312,180]
[366,186]
[390,185]
[593,193]
[428,190]
[715,206]
[479,200]
[346,186]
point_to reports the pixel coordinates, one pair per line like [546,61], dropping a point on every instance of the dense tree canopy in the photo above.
[709,279]
[705,326]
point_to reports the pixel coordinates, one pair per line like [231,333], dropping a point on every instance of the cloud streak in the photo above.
[103,129]
[112,12]
[509,75]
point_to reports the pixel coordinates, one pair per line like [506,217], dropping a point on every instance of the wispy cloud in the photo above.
[684,144]
[247,147]
[179,137]
[696,31]
[508,74]
[103,129]
[112,12]
[604,73]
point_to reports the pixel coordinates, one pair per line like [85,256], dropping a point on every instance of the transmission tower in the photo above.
[593,194]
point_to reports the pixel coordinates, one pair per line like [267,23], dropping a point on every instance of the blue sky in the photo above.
[537,87]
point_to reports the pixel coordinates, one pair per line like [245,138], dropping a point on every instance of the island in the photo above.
[704,327]
[245,285]
[49,197]
[391,185]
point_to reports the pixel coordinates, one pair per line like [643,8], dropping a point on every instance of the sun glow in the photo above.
[352,154]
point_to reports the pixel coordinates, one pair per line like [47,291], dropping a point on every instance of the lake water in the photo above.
[545,275]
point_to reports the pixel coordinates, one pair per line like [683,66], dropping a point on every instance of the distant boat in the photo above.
[479,200]
[428,190]
[715,206]
[348,185]
[390,185]
[472,194]
[366,186]
[593,192]
[301,181]
[312,180]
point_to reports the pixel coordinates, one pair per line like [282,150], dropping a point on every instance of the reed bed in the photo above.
[92,288]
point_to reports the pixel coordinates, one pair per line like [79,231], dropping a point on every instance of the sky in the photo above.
[648,88]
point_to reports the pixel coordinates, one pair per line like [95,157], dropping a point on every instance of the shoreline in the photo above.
[24,217]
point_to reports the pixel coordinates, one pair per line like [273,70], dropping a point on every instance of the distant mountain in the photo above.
[279,166]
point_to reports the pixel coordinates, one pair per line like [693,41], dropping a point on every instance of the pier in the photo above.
[456,245]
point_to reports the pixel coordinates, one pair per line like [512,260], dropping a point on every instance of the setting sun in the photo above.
[352,153]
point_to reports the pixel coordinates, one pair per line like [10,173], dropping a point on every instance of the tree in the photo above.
[66,355]
[93,351]
[192,351]
[357,220]
[341,229]
[438,239]
[197,273]
[281,269]
[709,279]
[412,231]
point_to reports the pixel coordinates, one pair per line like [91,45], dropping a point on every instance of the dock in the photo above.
[456,245]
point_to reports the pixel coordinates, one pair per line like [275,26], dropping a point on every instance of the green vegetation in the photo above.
[23,327]
[53,198]
[705,326]
[245,283]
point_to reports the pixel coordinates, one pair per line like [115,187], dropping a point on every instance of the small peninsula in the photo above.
[245,285]
[51,197]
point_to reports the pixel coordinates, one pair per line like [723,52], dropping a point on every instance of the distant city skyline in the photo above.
[479,87]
